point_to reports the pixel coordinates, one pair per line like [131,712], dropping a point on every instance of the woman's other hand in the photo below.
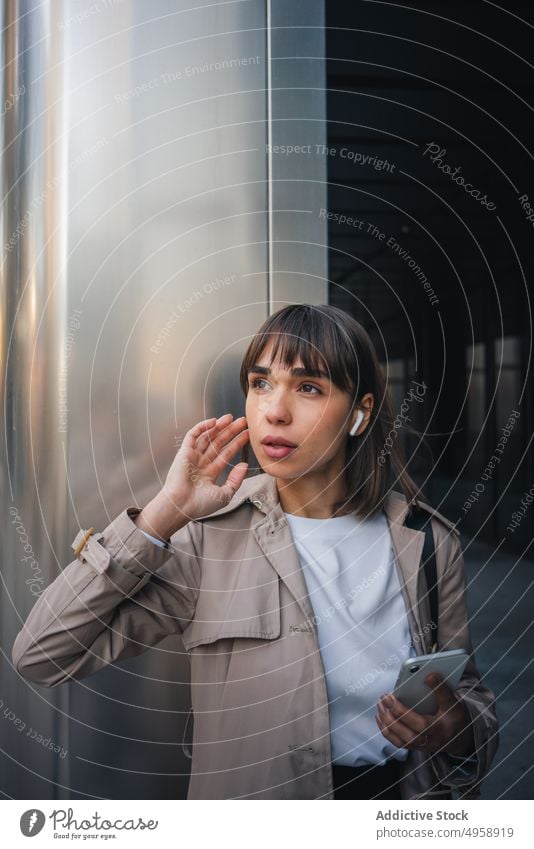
[448,730]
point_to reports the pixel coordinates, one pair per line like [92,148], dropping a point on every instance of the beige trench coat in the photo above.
[233,587]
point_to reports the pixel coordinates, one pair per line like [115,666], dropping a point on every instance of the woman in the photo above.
[295,590]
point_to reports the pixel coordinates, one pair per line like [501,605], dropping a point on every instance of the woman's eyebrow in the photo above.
[298,371]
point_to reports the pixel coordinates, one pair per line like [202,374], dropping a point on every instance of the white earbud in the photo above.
[357,423]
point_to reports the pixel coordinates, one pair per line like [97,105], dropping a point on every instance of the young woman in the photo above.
[296,590]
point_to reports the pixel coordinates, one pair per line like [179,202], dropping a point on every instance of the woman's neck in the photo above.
[311,496]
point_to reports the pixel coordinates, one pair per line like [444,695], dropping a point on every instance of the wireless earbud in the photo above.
[357,423]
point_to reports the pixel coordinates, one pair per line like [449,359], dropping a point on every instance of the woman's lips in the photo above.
[277,451]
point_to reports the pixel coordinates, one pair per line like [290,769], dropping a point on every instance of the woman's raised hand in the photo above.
[190,491]
[205,452]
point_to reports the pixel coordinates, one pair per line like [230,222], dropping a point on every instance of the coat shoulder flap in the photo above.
[436,515]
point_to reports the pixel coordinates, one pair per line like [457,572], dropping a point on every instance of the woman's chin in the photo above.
[282,471]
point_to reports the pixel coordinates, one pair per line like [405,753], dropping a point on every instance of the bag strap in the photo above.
[420,520]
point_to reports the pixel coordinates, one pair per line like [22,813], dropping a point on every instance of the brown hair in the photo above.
[324,335]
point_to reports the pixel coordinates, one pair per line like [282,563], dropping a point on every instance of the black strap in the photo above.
[420,520]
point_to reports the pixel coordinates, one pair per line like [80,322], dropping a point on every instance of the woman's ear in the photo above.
[357,423]
[367,402]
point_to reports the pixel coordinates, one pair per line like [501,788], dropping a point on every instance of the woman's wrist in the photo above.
[162,517]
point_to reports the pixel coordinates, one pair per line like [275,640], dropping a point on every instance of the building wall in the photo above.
[153,232]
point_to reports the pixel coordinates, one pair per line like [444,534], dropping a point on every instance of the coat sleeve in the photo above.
[121,595]
[465,776]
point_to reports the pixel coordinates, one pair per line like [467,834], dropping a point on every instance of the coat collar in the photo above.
[274,537]
[261,490]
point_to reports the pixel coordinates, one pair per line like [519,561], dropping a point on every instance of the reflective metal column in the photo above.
[146,235]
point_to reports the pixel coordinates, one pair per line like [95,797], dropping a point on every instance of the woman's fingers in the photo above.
[192,435]
[235,479]
[406,733]
[208,435]
[415,721]
[212,444]
[388,734]
[191,477]
[200,435]
[221,460]
[397,726]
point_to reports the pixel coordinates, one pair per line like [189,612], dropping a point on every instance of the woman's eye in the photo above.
[257,380]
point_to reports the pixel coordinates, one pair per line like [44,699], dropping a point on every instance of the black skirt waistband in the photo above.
[392,766]
[367,782]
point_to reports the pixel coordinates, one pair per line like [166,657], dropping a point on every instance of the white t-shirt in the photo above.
[354,588]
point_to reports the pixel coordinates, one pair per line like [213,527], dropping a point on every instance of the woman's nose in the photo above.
[276,409]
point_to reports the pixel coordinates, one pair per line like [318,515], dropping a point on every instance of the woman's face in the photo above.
[307,410]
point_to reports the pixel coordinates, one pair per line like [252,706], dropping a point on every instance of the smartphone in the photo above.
[410,686]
